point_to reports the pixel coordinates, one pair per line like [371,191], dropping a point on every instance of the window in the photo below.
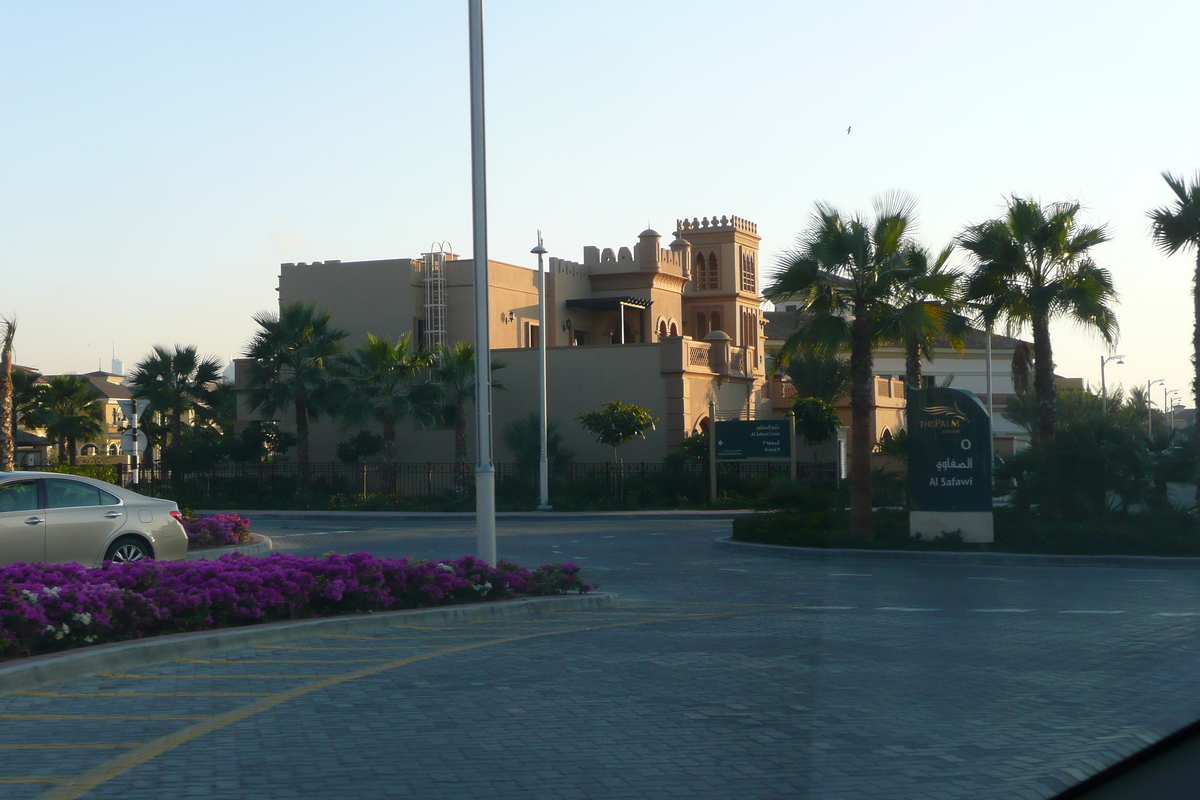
[673,329]
[74,494]
[701,325]
[532,334]
[662,329]
[749,283]
[716,321]
[89,450]
[713,276]
[18,496]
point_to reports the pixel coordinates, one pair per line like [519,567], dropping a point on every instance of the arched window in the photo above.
[88,450]
[703,425]
[701,325]
[673,329]
[114,450]
[662,328]
[749,283]
[698,274]
[716,321]
[713,275]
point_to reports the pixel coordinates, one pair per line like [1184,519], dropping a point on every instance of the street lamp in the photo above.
[1167,407]
[1103,387]
[485,470]
[1148,403]
[543,464]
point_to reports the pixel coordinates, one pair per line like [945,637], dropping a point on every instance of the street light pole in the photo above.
[1149,404]
[485,470]
[1103,386]
[1167,423]
[543,461]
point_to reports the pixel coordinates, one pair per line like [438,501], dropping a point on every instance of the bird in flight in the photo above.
[848,130]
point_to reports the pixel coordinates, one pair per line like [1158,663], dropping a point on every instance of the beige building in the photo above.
[667,328]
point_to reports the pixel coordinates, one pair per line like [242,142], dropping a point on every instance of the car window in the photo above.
[18,496]
[70,494]
[107,499]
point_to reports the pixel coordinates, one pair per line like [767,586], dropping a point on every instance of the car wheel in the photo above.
[126,549]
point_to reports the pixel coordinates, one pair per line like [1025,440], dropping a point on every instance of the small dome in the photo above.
[718,336]
[648,232]
[679,243]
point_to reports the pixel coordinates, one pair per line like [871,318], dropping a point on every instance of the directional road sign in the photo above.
[762,438]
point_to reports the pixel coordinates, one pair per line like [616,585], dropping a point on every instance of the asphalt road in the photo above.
[722,676]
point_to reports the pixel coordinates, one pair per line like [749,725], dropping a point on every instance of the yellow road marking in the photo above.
[106,717]
[76,786]
[29,693]
[30,779]
[73,746]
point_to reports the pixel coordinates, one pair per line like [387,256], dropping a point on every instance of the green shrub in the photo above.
[101,472]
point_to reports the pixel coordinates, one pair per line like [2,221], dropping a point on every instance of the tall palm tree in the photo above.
[454,370]
[1177,227]
[174,383]
[292,352]
[8,434]
[383,381]
[1032,266]
[925,310]
[73,412]
[849,274]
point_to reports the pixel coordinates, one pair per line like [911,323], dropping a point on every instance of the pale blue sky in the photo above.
[161,159]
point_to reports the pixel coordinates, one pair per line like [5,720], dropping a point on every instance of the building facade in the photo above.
[667,328]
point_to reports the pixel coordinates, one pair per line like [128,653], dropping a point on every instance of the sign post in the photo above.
[133,440]
[949,464]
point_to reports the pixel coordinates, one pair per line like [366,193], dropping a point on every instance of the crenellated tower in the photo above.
[722,293]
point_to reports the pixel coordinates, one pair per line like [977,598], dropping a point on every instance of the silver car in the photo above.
[57,519]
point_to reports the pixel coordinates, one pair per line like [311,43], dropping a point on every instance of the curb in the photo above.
[259,545]
[31,673]
[953,558]
[400,516]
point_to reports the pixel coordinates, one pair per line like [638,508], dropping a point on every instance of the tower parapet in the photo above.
[714,224]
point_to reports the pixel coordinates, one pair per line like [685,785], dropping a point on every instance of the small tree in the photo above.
[361,445]
[523,438]
[617,423]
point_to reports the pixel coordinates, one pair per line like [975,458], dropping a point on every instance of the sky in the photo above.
[160,160]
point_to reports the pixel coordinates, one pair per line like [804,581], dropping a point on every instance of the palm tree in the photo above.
[174,383]
[1032,266]
[291,353]
[523,438]
[924,310]
[455,372]
[850,275]
[8,434]
[27,407]
[1177,227]
[72,412]
[383,382]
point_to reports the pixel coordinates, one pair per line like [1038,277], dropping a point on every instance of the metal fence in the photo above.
[430,479]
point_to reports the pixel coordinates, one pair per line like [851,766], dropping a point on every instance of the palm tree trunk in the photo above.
[1196,383]
[302,434]
[1043,381]
[71,450]
[912,364]
[8,435]
[862,400]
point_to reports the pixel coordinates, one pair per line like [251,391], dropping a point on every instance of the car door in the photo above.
[22,523]
[80,519]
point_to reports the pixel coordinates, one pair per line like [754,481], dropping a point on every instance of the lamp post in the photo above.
[1167,407]
[1148,403]
[485,470]
[543,463]
[1103,386]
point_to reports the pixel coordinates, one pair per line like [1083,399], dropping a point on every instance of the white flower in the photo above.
[52,591]
[447,567]
[83,617]
[89,639]
[30,596]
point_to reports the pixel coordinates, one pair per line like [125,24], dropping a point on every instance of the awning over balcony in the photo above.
[608,303]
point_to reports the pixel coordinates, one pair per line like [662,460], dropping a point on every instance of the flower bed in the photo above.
[218,530]
[50,607]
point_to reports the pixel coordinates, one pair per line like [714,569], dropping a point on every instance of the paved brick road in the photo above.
[722,676]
